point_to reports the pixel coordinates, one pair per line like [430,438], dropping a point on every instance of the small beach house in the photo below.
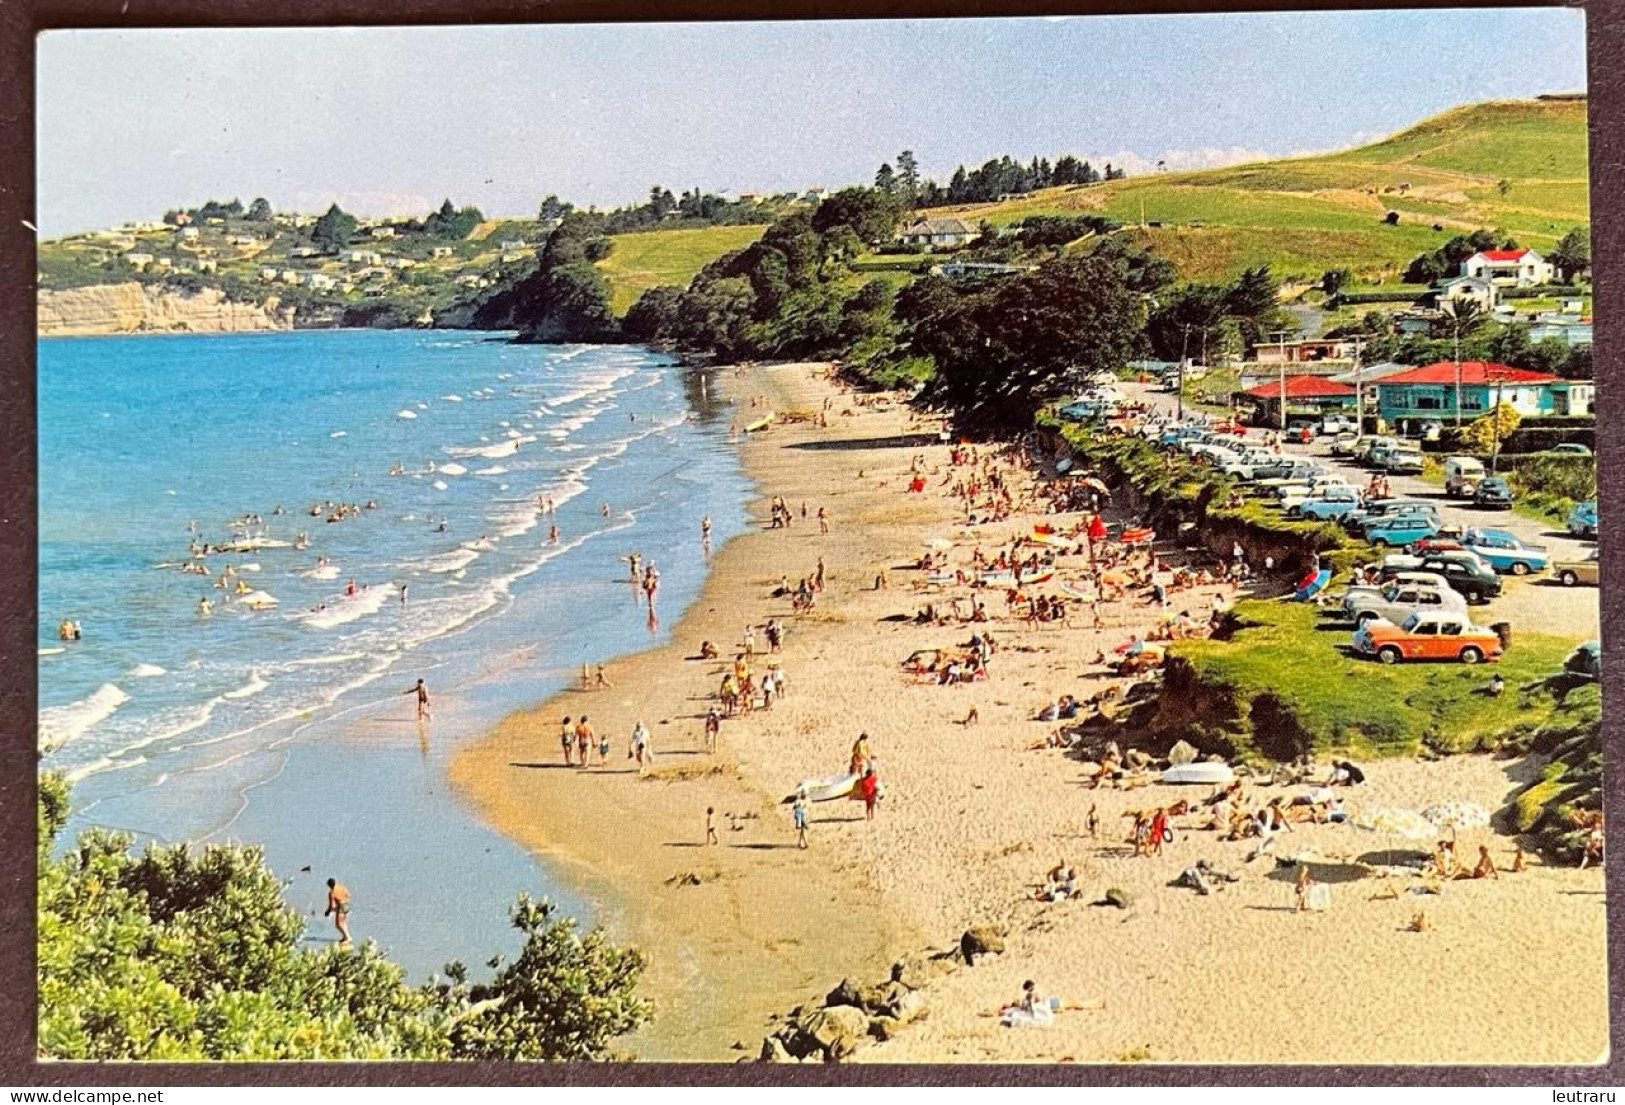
[936,233]
[1519,267]
[1429,393]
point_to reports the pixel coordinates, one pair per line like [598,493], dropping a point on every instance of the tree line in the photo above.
[994,179]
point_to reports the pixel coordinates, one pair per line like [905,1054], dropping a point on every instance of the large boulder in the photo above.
[774,1051]
[1118,898]
[836,1029]
[1183,752]
[912,971]
[884,1028]
[905,1006]
[850,992]
[981,940]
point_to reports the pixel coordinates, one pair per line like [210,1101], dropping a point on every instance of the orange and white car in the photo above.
[1428,635]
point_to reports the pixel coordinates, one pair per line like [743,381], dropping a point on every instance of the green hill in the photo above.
[1517,165]
[638,262]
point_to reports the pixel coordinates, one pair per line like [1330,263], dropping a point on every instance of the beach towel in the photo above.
[1040,1016]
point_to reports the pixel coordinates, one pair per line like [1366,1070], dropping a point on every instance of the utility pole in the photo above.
[1280,338]
[1458,373]
[1183,344]
[1359,388]
[1495,425]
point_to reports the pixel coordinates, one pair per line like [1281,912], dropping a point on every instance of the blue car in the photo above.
[1405,529]
[1583,519]
[1506,552]
[1334,504]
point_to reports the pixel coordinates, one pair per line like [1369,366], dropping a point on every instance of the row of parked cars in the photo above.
[1429,575]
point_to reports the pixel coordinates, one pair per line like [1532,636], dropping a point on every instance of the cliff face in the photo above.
[133,308]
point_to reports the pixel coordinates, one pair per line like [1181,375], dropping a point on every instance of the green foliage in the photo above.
[1002,352]
[259,211]
[1572,254]
[334,230]
[654,316]
[565,299]
[1485,432]
[451,223]
[183,955]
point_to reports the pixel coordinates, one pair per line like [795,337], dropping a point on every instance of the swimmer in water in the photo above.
[604,510]
[553,536]
[204,606]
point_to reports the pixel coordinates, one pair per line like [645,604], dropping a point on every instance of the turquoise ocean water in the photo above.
[288,727]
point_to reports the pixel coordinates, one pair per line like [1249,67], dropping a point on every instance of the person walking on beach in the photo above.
[713,726]
[583,741]
[798,814]
[567,738]
[422,691]
[642,747]
[869,787]
[603,750]
[338,907]
[710,826]
[403,594]
[823,521]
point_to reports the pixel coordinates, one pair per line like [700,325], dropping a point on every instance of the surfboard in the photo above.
[823,788]
[1209,774]
[760,424]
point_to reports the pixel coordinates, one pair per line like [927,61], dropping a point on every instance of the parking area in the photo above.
[1539,603]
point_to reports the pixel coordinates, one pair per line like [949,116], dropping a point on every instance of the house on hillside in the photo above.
[511,244]
[382,232]
[1465,288]
[440,251]
[1304,351]
[1312,396]
[815,195]
[1429,393]
[267,273]
[1521,268]
[208,264]
[290,276]
[400,262]
[751,197]
[364,257]
[1569,329]
[320,281]
[188,233]
[937,233]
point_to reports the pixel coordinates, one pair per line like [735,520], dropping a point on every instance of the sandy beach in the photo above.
[1509,972]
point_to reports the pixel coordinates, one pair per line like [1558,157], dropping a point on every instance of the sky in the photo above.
[393,120]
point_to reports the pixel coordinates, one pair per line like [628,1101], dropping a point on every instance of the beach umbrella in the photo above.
[1392,821]
[1457,815]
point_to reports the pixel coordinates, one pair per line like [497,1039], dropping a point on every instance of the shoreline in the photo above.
[976,814]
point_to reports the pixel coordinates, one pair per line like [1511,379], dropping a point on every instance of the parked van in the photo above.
[1461,476]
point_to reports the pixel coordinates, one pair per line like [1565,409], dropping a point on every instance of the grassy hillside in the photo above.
[642,261]
[1518,165]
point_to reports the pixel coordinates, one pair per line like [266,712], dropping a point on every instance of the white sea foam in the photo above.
[256,683]
[145,671]
[60,724]
[347,609]
[494,470]
[338,433]
[452,398]
[451,561]
[326,571]
[423,406]
[500,449]
[405,414]
[438,485]
[453,470]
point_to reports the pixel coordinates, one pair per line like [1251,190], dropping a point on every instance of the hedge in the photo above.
[1347,299]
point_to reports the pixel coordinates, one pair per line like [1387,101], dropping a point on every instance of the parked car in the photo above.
[1398,601]
[1439,543]
[1461,475]
[1361,453]
[1428,635]
[1343,443]
[1379,508]
[1243,467]
[1401,458]
[1588,569]
[1505,551]
[1494,492]
[1582,520]
[1278,468]
[1571,449]
[1401,530]
[1354,447]
[1467,573]
[1335,502]
[1336,424]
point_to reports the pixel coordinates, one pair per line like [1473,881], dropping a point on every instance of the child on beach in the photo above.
[798,813]
[422,691]
[710,826]
[603,750]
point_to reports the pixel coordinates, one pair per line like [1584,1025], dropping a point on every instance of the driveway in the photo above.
[1537,602]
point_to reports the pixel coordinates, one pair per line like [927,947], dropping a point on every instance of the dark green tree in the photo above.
[1572,255]
[260,210]
[908,177]
[654,316]
[886,179]
[333,231]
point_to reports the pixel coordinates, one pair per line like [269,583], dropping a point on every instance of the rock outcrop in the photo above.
[132,308]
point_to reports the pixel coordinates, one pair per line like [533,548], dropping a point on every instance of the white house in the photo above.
[511,244]
[289,276]
[400,262]
[936,233]
[321,281]
[163,263]
[267,273]
[364,257]
[440,251]
[208,264]
[1473,288]
[302,251]
[188,233]
[1521,267]
[382,232]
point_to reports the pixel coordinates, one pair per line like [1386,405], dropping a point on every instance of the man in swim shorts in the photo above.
[338,907]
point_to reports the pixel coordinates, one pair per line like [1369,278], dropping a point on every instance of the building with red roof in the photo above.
[1305,396]
[1429,393]
[1518,267]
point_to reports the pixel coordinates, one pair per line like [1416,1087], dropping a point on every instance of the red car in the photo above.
[1230,428]
[1435,544]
